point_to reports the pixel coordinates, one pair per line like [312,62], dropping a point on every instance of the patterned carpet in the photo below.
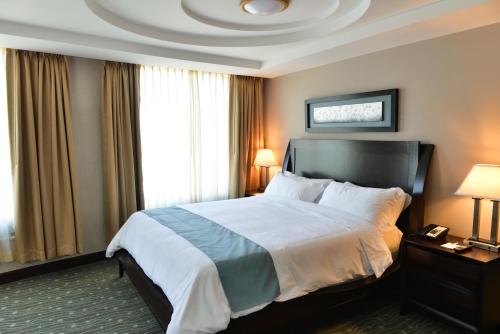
[92,299]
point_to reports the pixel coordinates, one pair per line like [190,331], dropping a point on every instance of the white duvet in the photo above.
[312,247]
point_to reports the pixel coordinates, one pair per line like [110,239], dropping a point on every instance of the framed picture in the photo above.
[361,112]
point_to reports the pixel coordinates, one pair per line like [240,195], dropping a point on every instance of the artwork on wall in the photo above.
[371,111]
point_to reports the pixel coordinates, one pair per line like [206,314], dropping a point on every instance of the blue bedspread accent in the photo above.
[246,269]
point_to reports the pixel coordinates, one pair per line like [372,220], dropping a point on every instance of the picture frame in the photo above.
[375,111]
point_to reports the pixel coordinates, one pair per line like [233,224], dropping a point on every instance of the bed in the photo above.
[366,163]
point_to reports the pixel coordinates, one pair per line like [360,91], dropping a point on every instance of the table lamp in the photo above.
[483,182]
[265,158]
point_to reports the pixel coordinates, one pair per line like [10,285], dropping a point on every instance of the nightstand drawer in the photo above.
[443,296]
[465,273]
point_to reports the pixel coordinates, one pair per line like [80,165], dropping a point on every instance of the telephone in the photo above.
[434,232]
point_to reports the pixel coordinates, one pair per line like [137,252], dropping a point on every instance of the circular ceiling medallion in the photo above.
[222,23]
[297,17]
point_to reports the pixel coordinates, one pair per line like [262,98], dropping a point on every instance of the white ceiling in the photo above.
[216,35]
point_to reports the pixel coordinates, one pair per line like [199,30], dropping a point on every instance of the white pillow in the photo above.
[407,196]
[380,207]
[294,188]
[324,182]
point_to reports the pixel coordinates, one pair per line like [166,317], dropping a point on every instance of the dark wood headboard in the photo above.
[380,164]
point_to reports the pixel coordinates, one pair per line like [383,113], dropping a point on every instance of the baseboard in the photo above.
[52,266]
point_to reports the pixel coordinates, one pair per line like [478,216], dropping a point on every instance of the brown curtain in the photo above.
[246,132]
[47,212]
[123,193]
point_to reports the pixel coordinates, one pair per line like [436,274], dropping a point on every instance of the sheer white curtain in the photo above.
[184,119]
[6,189]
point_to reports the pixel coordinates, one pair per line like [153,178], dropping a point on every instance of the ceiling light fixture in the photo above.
[263,7]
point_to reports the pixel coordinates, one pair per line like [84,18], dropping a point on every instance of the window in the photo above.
[6,189]
[184,119]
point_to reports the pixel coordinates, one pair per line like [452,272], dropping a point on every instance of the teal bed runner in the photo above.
[246,269]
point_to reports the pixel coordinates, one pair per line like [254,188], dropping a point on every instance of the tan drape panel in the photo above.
[47,213]
[246,132]
[123,193]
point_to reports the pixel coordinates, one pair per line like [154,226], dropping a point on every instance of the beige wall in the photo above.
[85,97]
[449,96]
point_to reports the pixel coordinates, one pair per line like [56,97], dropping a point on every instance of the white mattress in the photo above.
[312,246]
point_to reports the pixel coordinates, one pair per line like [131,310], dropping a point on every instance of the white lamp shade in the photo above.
[265,158]
[483,181]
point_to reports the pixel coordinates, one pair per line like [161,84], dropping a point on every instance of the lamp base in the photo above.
[483,244]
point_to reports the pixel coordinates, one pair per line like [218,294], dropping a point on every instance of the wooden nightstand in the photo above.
[462,287]
[253,193]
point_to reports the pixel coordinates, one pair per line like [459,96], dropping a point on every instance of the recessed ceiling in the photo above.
[224,24]
[217,35]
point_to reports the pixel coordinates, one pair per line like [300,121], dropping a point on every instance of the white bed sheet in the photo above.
[312,247]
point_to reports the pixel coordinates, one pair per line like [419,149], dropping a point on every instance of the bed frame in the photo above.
[380,164]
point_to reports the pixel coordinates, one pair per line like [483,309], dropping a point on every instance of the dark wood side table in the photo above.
[462,287]
[253,193]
